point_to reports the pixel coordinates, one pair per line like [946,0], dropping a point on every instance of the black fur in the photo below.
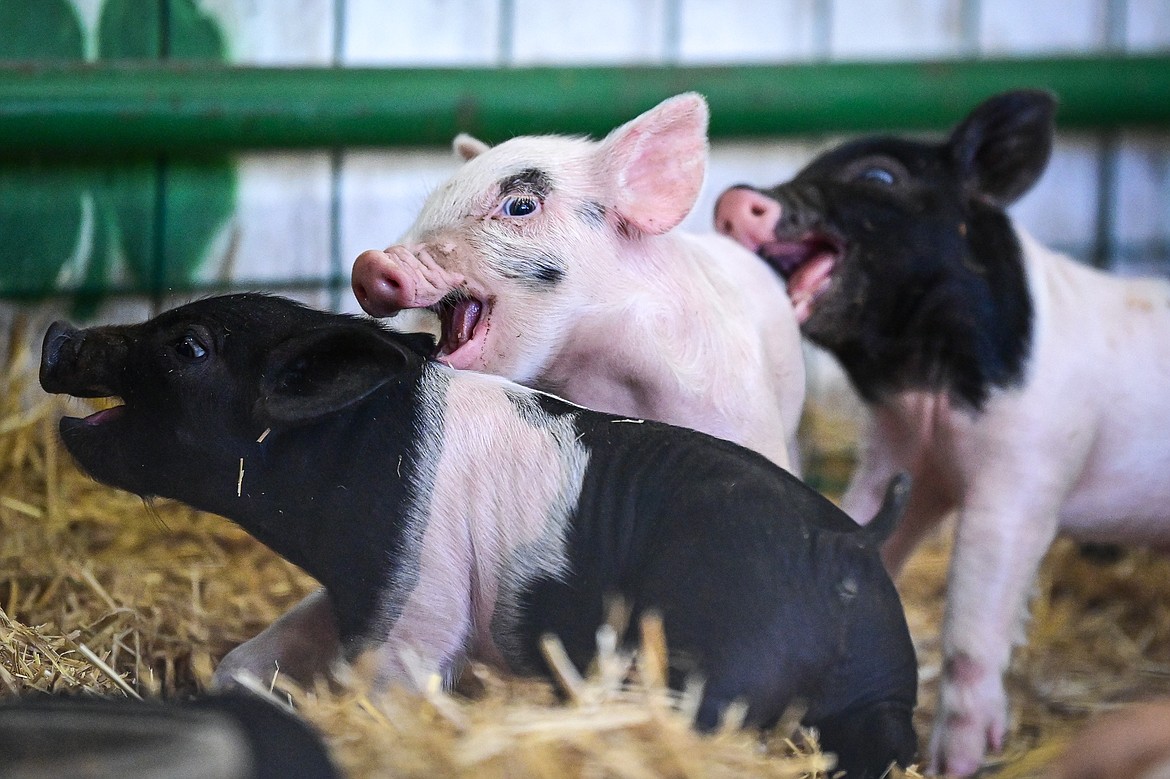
[539,267]
[929,290]
[193,422]
[593,212]
[530,181]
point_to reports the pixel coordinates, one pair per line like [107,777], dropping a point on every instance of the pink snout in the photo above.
[748,216]
[382,286]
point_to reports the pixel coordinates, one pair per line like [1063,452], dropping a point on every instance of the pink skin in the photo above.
[747,216]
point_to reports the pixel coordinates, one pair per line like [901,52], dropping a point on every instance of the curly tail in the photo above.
[893,505]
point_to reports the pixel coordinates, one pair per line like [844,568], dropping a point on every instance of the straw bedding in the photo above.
[102,593]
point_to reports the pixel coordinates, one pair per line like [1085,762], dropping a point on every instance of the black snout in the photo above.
[60,345]
[803,207]
[83,363]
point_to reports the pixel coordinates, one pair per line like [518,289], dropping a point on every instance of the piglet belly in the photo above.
[1124,499]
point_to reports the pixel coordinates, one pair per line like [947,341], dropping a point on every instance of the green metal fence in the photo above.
[147,144]
[139,109]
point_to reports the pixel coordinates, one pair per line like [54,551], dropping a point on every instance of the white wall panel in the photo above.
[1142,210]
[1041,26]
[276,32]
[601,31]
[1061,210]
[430,32]
[732,31]
[1147,25]
[281,229]
[895,29]
[381,194]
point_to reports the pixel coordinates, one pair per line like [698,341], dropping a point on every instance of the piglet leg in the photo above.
[301,645]
[890,447]
[997,553]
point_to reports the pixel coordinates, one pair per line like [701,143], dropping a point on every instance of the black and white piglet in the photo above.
[457,514]
[1027,391]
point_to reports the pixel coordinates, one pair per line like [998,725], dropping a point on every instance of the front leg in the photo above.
[302,644]
[890,447]
[1003,533]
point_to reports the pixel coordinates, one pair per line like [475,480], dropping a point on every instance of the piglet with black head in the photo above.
[452,514]
[1026,390]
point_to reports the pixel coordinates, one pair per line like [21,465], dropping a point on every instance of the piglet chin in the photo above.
[809,281]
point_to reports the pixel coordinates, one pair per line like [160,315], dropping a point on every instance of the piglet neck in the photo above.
[330,498]
[503,469]
[618,352]
[968,334]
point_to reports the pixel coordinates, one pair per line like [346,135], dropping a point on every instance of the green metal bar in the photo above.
[151,108]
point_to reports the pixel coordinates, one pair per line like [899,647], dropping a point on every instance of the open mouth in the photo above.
[460,315]
[807,264]
[111,411]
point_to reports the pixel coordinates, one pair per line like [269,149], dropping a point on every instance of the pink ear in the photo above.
[468,147]
[656,162]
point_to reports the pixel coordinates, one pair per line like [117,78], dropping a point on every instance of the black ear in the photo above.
[327,369]
[422,344]
[1003,146]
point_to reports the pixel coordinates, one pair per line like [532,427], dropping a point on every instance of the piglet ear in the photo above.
[468,147]
[322,371]
[656,162]
[1003,146]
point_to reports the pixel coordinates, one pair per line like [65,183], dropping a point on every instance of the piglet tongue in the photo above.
[786,256]
[105,415]
[809,280]
[460,324]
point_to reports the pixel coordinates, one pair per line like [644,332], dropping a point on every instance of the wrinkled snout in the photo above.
[83,363]
[386,282]
[748,216]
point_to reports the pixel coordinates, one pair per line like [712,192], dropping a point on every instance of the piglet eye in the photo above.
[519,206]
[877,175]
[190,348]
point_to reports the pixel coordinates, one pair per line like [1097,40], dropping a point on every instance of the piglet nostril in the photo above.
[381,287]
[58,335]
[58,338]
[359,292]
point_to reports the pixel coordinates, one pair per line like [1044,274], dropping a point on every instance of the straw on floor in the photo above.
[102,593]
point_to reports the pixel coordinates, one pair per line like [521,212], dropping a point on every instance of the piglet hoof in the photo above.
[971,719]
[239,672]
